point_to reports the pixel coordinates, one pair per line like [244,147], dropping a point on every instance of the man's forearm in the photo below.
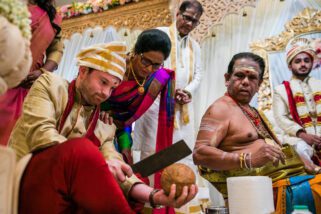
[216,159]
[140,192]
[50,65]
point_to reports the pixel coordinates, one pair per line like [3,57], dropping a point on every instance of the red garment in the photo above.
[71,177]
[292,106]
[11,102]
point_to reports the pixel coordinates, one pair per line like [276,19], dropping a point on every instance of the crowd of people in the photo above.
[80,137]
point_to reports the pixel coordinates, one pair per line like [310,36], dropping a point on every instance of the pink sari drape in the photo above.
[11,102]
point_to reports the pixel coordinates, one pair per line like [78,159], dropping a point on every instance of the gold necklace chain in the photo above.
[141,88]
[132,70]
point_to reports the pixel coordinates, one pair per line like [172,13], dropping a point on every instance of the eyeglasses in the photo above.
[146,62]
[194,22]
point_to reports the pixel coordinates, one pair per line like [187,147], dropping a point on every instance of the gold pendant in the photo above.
[141,90]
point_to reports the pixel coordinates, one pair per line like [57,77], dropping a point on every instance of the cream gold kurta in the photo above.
[37,128]
[308,87]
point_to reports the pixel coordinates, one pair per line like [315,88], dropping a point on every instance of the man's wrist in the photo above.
[151,199]
[43,70]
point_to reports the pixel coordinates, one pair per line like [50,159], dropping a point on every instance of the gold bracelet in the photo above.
[241,160]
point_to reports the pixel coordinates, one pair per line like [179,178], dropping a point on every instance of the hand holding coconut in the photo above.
[178,183]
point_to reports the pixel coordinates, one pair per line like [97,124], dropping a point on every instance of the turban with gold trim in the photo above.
[297,46]
[109,57]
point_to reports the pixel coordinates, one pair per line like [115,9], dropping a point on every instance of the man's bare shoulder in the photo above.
[221,108]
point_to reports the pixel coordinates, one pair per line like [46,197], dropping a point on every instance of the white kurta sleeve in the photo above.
[197,76]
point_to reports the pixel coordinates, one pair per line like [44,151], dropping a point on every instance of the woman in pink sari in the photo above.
[47,48]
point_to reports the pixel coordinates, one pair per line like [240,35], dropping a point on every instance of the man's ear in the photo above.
[260,82]
[177,14]
[82,71]
[227,77]
[290,67]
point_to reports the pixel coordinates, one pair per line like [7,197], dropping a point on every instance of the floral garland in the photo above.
[17,13]
[91,6]
[316,45]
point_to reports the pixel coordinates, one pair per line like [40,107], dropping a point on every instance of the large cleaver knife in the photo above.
[162,159]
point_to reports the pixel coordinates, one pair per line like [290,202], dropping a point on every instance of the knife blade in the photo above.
[162,159]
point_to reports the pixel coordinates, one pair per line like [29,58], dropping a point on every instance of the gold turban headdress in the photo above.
[297,46]
[109,57]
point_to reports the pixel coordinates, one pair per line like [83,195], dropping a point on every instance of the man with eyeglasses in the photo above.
[185,60]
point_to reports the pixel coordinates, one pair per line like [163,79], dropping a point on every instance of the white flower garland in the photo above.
[17,13]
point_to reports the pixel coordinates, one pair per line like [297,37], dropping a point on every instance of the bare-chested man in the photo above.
[234,140]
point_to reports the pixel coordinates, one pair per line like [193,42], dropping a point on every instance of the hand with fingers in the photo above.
[188,193]
[119,169]
[127,156]
[310,138]
[267,153]
[106,117]
[30,79]
[182,97]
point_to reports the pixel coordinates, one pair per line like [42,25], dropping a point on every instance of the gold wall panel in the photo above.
[141,15]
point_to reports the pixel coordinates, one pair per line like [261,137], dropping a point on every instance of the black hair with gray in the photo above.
[247,55]
[191,4]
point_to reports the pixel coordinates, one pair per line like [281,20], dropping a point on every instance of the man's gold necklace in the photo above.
[141,88]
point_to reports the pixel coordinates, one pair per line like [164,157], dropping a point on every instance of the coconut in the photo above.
[179,174]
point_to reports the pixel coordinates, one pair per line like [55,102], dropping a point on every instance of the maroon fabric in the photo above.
[90,134]
[292,106]
[71,177]
[10,110]
[42,34]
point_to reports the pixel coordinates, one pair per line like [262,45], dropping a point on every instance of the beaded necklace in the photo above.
[255,119]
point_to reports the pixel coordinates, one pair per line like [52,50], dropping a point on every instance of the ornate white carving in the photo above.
[307,21]
[215,11]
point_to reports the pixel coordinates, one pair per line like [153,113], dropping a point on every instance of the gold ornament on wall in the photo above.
[215,12]
[307,21]
[141,15]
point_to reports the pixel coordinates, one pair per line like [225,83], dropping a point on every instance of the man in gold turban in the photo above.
[74,166]
[297,103]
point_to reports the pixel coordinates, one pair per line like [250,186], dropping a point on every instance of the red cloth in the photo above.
[11,102]
[10,110]
[42,34]
[71,177]
[292,106]
[90,134]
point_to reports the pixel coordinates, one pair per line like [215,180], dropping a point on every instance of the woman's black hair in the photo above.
[153,40]
[47,6]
